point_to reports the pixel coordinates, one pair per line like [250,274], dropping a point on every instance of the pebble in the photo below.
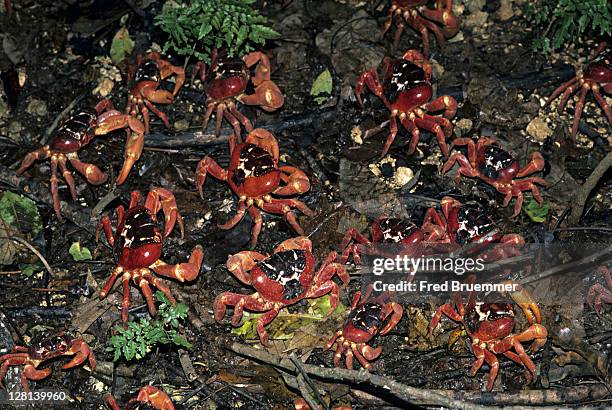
[538,129]
[476,19]
[475,5]
[37,107]
[104,88]
[463,126]
[181,125]
[505,12]
[15,129]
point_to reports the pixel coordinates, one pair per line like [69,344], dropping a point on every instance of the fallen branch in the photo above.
[404,393]
[584,191]
[41,194]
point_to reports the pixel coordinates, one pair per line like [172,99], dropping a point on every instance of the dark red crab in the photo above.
[280,280]
[490,327]
[255,176]
[74,133]
[599,293]
[367,319]
[498,168]
[416,14]
[384,230]
[137,247]
[43,351]
[148,397]
[150,72]
[406,91]
[460,224]
[597,76]
[225,83]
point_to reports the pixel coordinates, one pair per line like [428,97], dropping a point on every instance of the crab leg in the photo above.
[208,114]
[444,16]
[257,223]
[92,173]
[348,353]
[157,112]
[61,160]
[241,118]
[125,304]
[437,130]
[82,352]
[233,221]
[233,121]
[160,198]
[535,164]
[267,95]
[370,79]
[32,373]
[182,271]
[105,223]
[262,73]
[579,107]
[364,362]
[395,318]
[560,89]
[414,132]
[241,263]
[219,117]
[369,353]
[448,311]
[602,102]
[206,165]
[54,189]
[433,27]
[28,160]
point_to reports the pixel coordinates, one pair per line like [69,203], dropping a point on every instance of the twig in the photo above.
[33,249]
[567,266]
[298,365]
[405,393]
[584,191]
[585,228]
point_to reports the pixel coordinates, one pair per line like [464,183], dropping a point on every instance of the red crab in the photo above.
[74,133]
[146,80]
[596,76]
[280,280]
[32,357]
[383,230]
[599,293]
[366,320]
[151,71]
[225,83]
[254,175]
[137,246]
[406,91]
[495,166]
[460,225]
[490,327]
[149,397]
[422,19]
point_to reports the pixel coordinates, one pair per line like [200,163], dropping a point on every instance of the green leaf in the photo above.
[122,46]
[20,213]
[78,253]
[322,87]
[535,211]
[29,269]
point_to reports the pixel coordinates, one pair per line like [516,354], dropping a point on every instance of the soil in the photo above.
[56,53]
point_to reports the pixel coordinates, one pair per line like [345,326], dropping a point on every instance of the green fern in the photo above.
[559,22]
[197,27]
[139,338]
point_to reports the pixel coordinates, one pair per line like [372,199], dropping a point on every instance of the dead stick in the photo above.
[405,393]
[586,188]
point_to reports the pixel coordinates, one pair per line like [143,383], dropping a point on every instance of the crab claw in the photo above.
[157,398]
[264,139]
[81,352]
[160,198]
[523,298]
[267,95]
[296,180]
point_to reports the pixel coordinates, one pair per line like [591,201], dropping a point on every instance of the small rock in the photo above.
[104,88]
[356,135]
[476,19]
[538,129]
[37,107]
[475,5]
[505,12]
[15,129]
[463,126]
[181,125]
